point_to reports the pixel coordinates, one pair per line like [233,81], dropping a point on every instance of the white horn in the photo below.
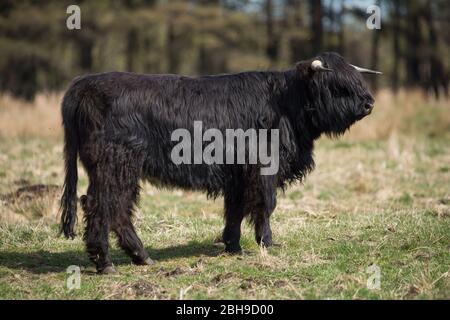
[364,70]
[317,65]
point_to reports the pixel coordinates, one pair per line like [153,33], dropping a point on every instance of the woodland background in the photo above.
[194,37]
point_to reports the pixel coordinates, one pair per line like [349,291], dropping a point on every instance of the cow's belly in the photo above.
[195,177]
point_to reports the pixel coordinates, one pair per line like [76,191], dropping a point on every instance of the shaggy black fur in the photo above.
[120,125]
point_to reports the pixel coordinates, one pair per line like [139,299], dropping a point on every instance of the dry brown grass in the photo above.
[399,113]
[20,119]
[30,202]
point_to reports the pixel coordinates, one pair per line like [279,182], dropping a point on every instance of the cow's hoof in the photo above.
[107,270]
[146,262]
[233,250]
[236,253]
[266,244]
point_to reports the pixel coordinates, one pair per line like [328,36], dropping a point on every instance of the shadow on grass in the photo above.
[43,261]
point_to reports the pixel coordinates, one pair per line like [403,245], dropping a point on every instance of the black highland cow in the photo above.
[120,125]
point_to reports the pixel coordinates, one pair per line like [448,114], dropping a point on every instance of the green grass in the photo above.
[372,202]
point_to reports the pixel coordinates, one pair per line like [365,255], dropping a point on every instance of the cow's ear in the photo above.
[318,66]
[307,69]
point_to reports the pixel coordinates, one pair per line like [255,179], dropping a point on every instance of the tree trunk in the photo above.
[341,35]
[172,58]
[85,47]
[272,42]
[413,42]
[316,26]
[396,46]
[132,46]
[436,70]
[375,58]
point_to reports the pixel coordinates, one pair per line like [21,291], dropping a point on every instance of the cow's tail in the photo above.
[69,197]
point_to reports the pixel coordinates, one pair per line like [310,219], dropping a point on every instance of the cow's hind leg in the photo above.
[127,173]
[127,238]
[97,229]
[129,241]
[111,195]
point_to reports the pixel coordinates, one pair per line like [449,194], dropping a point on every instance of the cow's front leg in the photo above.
[261,215]
[234,213]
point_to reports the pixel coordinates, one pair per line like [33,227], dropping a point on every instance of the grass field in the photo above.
[379,197]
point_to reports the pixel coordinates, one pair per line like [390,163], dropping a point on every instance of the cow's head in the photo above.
[336,95]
